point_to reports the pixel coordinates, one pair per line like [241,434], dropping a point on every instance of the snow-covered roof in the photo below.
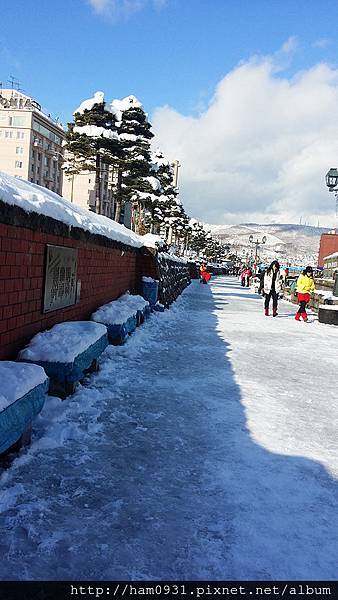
[98,98]
[17,379]
[34,198]
[334,255]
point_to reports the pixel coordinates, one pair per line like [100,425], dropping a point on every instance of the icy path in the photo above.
[205,448]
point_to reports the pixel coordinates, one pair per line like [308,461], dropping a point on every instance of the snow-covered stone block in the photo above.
[23,390]
[122,316]
[67,350]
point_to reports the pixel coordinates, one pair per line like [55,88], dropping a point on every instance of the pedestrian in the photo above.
[248,274]
[305,285]
[261,282]
[206,276]
[242,276]
[202,269]
[272,287]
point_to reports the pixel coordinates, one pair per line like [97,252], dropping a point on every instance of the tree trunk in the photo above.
[118,196]
[98,185]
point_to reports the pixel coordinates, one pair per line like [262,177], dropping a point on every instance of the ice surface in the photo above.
[17,379]
[205,448]
[63,342]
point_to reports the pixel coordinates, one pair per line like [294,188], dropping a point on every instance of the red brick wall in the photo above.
[105,273]
[328,245]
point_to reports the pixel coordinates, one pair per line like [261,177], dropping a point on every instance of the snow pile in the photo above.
[120,106]
[154,182]
[33,198]
[119,311]
[95,131]
[63,342]
[149,279]
[98,98]
[150,240]
[325,294]
[17,379]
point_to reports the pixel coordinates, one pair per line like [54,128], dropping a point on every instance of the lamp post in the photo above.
[257,243]
[331,179]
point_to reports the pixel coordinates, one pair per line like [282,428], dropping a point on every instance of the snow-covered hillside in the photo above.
[298,244]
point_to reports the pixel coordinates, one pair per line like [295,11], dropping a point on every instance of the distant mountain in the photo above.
[298,244]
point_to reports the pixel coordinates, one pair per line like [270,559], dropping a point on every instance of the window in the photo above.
[18,164]
[46,132]
[17,121]
[8,134]
[19,150]
[39,156]
[32,168]
[20,135]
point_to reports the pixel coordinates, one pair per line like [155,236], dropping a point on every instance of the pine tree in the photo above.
[92,141]
[135,135]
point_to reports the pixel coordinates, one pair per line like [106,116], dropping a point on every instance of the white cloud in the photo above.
[119,8]
[261,149]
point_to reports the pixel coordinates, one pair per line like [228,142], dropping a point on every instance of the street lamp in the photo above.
[257,243]
[331,179]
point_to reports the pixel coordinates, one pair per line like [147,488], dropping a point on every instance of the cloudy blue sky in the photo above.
[243,92]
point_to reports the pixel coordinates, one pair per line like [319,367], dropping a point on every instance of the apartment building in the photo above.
[81,189]
[30,141]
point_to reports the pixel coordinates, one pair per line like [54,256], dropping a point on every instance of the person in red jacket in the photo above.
[248,274]
[206,276]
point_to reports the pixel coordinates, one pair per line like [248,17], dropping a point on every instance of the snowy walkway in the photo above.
[205,448]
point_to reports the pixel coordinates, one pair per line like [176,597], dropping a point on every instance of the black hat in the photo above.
[309,270]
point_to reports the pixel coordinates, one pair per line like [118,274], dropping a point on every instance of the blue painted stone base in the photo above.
[71,372]
[16,418]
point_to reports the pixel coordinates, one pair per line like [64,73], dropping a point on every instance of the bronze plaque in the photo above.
[60,277]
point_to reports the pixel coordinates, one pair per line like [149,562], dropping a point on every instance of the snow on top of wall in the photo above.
[119,311]
[33,198]
[17,379]
[63,342]
[150,240]
[328,307]
[98,98]
[95,131]
[168,256]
